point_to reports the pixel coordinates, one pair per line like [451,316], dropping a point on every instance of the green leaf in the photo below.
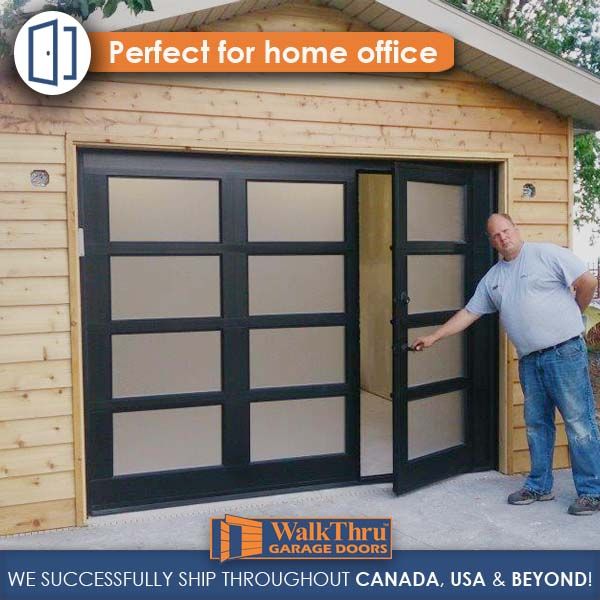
[84,8]
[109,8]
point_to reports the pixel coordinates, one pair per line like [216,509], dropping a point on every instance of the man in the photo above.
[531,289]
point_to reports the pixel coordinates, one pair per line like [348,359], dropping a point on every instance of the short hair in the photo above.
[504,216]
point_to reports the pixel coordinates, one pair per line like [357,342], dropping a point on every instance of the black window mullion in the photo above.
[436,388]
[165,248]
[429,318]
[165,401]
[434,247]
[235,338]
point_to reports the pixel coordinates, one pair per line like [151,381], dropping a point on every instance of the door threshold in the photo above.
[237,496]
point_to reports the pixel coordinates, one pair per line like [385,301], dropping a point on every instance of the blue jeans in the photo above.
[560,378]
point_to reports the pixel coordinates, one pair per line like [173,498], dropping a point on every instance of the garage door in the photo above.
[220,325]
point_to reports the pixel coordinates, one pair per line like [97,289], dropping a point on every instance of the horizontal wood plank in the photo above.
[33,263]
[540,213]
[304,134]
[33,234]
[38,516]
[27,433]
[15,148]
[290,107]
[47,374]
[557,234]
[404,88]
[32,291]
[34,319]
[540,168]
[545,191]
[36,488]
[520,437]
[40,346]
[293,16]
[517,394]
[17,177]
[30,206]
[518,416]
[513,370]
[35,461]
[521,464]
[35,404]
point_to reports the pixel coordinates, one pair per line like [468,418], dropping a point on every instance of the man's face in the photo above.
[504,236]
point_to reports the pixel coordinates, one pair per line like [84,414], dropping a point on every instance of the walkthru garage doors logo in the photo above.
[334,538]
[52,53]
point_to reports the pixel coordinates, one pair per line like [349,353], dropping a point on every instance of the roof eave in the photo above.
[492,40]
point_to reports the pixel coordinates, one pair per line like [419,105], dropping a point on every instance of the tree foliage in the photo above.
[13,13]
[571,30]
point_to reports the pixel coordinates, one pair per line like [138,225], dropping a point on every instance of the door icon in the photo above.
[52,53]
[44,52]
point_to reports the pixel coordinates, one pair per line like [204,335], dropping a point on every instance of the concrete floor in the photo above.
[463,513]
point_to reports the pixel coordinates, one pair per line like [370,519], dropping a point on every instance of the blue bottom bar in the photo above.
[418,574]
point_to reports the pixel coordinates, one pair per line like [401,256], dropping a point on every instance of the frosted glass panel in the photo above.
[159,440]
[376,434]
[294,212]
[166,363]
[435,212]
[296,356]
[145,287]
[173,210]
[435,283]
[292,428]
[435,424]
[296,284]
[443,360]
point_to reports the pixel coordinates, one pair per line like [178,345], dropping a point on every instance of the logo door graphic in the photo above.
[240,538]
[43,52]
[52,53]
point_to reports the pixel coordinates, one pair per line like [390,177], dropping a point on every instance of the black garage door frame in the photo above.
[237,475]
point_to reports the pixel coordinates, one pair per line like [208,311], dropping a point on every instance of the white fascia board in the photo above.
[492,40]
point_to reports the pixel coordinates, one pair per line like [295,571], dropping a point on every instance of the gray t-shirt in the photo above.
[532,293]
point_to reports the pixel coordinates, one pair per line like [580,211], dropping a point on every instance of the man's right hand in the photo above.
[458,322]
[424,342]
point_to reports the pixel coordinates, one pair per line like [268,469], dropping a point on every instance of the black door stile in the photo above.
[237,474]
[479,383]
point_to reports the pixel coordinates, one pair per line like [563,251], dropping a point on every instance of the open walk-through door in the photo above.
[444,398]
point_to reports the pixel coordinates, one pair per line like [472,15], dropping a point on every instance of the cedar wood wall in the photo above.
[362,114]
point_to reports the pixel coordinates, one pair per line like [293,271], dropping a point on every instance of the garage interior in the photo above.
[375,260]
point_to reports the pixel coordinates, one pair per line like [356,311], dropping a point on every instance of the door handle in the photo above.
[404,298]
[407,348]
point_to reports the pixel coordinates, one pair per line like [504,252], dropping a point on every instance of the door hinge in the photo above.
[80,242]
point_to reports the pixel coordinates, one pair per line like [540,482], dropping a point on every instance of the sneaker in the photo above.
[585,505]
[525,496]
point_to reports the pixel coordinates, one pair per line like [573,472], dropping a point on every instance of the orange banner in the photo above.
[298,52]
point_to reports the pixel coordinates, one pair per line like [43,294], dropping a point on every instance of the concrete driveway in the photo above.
[468,512]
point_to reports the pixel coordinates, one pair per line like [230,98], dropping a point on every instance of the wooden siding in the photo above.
[375,264]
[451,114]
[36,429]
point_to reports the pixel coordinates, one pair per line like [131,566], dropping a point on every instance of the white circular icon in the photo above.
[52,53]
